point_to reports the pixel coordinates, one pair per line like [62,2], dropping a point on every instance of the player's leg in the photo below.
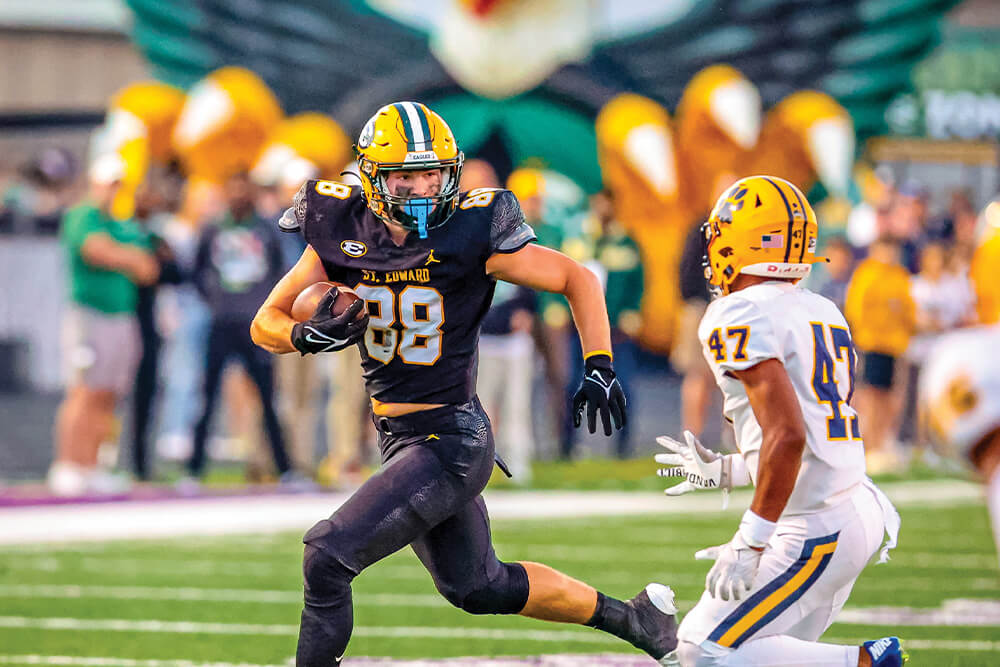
[142,405]
[459,555]
[411,493]
[216,350]
[804,578]
[260,368]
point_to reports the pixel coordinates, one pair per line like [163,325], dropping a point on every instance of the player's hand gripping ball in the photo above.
[330,317]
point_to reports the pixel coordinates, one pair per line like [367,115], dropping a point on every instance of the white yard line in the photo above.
[284,630]
[188,594]
[276,513]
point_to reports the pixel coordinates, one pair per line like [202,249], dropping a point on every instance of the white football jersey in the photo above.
[808,334]
[959,392]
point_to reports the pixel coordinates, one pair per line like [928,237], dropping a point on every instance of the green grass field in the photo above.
[237,599]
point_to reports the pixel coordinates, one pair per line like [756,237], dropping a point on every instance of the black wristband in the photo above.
[297,339]
[598,360]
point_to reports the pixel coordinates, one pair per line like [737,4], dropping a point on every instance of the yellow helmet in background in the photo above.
[409,136]
[761,226]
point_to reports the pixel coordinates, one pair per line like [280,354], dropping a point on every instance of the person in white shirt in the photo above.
[784,360]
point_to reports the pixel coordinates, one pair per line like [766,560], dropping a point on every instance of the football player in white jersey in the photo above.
[784,360]
[959,399]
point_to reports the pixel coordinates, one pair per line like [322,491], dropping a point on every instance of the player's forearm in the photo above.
[586,300]
[777,470]
[271,329]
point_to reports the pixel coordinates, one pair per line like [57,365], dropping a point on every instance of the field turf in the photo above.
[236,600]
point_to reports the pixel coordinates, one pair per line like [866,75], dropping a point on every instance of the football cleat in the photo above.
[656,620]
[886,652]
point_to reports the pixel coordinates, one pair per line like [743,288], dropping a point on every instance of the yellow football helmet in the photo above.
[408,135]
[761,226]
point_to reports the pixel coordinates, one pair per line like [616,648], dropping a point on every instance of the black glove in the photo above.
[600,390]
[325,333]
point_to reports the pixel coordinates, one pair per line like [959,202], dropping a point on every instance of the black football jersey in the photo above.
[426,299]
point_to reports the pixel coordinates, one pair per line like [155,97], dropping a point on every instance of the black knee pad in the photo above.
[507,593]
[327,581]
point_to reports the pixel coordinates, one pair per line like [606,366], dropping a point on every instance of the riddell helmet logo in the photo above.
[774,268]
[353,248]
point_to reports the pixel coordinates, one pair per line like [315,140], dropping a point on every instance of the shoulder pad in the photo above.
[508,230]
[737,334]
[294,217]
[314,198]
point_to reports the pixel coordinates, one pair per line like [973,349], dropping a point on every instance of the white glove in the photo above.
[737,561]
[702,468]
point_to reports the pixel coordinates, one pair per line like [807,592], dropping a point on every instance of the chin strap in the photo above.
[418,209]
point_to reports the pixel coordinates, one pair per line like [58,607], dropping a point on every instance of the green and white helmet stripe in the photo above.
[415,126]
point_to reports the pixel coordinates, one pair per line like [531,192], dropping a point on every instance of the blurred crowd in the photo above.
[160,304]
[161,301]
[176,245]
[904,274]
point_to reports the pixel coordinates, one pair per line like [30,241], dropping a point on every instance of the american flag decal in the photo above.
[772,241]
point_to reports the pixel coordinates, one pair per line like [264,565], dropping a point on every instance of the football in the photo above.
[308,299]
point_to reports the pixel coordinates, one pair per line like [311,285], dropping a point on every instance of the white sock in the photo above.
[993,502]
[782,650]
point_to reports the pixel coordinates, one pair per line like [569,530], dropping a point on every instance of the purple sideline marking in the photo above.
[37,495]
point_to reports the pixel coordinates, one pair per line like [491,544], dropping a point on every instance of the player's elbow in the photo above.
[788,437]
[258,331]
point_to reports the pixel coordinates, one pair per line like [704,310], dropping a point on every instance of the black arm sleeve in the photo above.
[508,230]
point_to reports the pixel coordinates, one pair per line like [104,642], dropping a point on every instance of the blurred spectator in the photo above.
[957,228]
[237,264]
[552,334]
[944,301]
[107,260]
[983,269]
[686,356]
[506,355]
[880,310]
[183,320]
[297,376]
[836,272]
[867,221]
[908,222]
[150,200]
[35,200]
[350,433]
[621,261]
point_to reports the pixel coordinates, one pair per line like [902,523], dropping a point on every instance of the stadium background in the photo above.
[555,86]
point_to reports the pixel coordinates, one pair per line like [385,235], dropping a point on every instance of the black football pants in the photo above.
[427,495]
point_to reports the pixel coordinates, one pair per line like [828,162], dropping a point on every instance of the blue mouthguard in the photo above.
[418,209]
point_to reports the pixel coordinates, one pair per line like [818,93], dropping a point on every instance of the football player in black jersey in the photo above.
[427,285]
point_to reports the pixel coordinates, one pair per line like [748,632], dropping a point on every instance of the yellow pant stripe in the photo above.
[777,597]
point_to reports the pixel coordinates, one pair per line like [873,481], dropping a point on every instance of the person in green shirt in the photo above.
[106,260]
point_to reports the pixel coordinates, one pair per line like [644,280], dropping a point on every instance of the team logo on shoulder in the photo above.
[367,134]
[353,248]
